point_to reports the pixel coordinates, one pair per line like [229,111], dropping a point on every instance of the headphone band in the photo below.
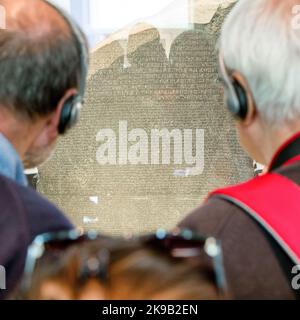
[81,44]
[71,109]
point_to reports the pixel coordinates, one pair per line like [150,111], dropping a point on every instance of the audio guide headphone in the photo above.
[72,107]
[236,97]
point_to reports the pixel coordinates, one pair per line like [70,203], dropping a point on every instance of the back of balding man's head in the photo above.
[39,58]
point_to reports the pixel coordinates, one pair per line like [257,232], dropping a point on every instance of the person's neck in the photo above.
[275,138]
[17,132]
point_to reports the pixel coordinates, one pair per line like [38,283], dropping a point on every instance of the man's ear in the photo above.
[53,120]
[251,110]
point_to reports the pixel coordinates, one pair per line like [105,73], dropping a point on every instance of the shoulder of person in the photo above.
[213,217]
[41,216]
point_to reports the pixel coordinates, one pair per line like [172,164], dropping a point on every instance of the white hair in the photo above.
[261,40]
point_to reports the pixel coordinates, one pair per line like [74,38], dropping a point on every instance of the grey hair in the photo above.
[260,39]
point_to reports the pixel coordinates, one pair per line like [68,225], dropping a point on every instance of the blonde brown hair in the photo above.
[132,271]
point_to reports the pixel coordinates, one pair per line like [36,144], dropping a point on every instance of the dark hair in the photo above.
[36,71]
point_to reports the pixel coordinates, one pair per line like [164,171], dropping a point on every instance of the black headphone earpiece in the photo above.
[242,109]
[236,99]
[69,115]
[71,109]
[235,93]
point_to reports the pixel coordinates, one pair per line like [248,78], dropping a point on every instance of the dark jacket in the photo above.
[23,215]
[256,267]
